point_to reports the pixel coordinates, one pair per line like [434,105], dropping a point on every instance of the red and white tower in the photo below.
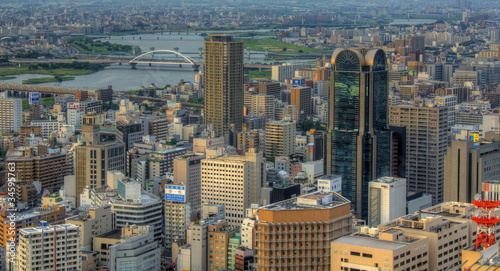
[485,220]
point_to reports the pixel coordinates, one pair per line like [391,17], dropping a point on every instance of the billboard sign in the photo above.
[34,97]
[175,193]
[412,73]
[73,105]
[303,82]
[296,82]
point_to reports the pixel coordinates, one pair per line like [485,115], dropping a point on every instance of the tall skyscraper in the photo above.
[223,70]
[357,139]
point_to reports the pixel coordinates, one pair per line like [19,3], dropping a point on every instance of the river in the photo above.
[122,77]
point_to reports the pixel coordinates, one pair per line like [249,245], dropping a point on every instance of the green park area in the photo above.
[48,102]
[264,74]
[89,45]
[276,46]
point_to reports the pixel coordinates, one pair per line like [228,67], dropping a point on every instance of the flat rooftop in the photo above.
[302,202]
[369,242]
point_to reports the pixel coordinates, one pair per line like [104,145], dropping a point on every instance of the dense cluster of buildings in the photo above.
[368,160]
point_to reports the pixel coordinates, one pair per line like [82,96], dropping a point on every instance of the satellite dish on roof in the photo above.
[476,213]
[477,197]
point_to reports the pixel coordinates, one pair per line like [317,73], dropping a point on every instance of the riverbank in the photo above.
[42,80]
[9,71]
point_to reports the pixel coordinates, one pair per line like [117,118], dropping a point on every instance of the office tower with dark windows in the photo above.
[223,70]
[427,128]
[357,139]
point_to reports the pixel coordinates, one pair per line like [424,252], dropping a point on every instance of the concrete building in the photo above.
[133,207]
[97,221]
[427,138]
[301,97]
[158,128]
[94,158]
[74,114]
[162,161]
[12,222]
[280,138]
[130,248]
[286,71]
[129,133]
[47,126]
[263,106]
[450,102]
[357,123]
[45,247]
[387,195]
[223,74]
[233,181]
[187,171]
[468,165]
[389,250]
[177,217]
[11,112]
[285,231]
[219,233]
[330,183]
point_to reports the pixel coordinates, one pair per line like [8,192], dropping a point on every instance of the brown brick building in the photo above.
[296,233]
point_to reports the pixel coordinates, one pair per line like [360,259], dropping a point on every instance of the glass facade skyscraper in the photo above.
[358,140]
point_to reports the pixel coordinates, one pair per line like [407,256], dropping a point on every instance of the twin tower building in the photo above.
[357,143]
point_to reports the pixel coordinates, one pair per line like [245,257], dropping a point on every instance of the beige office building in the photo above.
[263,106]
[223,74]
[233,181]
[387,250]
[187,171]
[426,142]
[97,221]
[296,234]
[94,158]
[280,138]
[468,165]
[446,235]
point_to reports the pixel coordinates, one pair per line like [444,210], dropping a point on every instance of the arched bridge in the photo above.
[144,59]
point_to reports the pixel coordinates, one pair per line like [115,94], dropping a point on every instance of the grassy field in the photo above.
[88,45]
[264,74]
[48,102]
[276,46]
[26,70]
[7,77]
[47,80]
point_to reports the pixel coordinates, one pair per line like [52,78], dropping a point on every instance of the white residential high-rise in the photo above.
[55,247]
[387,200]
[11,115]
[233,181]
